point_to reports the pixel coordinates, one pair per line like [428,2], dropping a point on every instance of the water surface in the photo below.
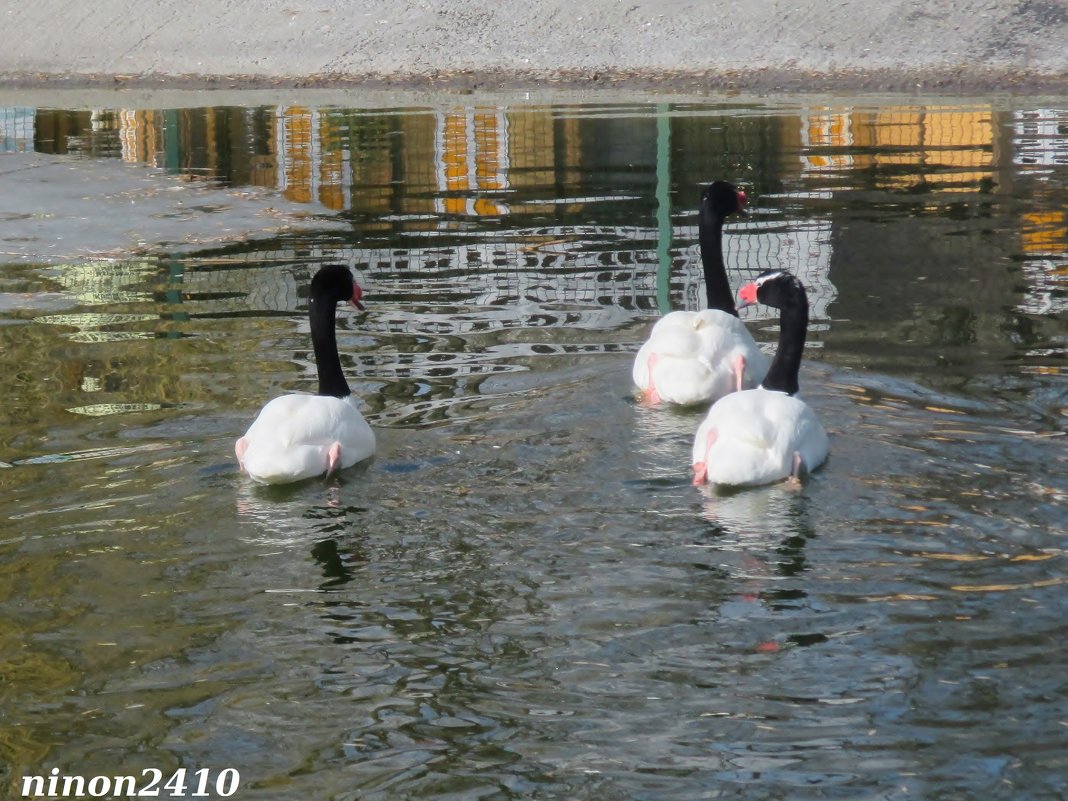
[521,596]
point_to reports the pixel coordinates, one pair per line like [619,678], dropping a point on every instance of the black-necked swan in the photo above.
[301,436]
[697,357]
[764,435]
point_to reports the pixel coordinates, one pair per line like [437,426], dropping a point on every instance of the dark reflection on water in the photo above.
[521,596]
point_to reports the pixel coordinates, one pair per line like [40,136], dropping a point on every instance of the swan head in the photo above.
[776,288]
[334,284]
[721,199]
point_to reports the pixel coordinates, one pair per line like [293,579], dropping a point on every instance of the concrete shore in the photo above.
[929,45]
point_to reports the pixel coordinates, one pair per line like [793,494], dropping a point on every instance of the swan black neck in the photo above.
[792,303]
[718,200]
[324,341]
[710,237]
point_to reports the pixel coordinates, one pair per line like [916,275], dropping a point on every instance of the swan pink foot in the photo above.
[793,481]
[333,458]
[239,448]
[738,368]
[700,473]
[650,395]
[700,469]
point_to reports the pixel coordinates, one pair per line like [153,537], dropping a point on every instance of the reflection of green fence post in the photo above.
[172,295]
[663,208]
[172,158]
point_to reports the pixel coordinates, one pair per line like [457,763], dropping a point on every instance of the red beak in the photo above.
[747,295]
[357,294]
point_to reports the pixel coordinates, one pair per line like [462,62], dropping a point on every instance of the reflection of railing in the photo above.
[1040,138]
[801,246]
[1047,287]
[590,277]
[16,129]
[425,176]
[104,283]
[98,283]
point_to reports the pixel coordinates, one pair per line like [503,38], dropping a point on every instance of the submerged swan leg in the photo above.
[794,479]
[700,469]
[333,457]
[239,448]
[738,368]
[650,396]
[700,473]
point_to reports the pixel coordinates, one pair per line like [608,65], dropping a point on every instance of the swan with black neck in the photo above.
[299,436]
[767,434]
[697,357]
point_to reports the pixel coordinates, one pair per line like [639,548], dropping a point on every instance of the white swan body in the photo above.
[763,435]
[697,357]
[756,437]
[302,436]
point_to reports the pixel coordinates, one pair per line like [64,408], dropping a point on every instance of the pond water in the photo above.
[522,596]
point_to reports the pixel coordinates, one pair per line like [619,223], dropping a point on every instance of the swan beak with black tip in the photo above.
[357,295]
[747,295]
[743,201]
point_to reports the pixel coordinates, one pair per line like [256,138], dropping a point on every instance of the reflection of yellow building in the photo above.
[332,179]
[1044,232]
[947,148]
[139,136]
[821,130]
[460,162]
[296,130]
[471,154]
[953,148]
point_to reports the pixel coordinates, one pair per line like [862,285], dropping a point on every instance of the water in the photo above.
[522,596]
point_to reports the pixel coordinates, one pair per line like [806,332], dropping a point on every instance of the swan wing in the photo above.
[291,438]
[692,357]
[750,438]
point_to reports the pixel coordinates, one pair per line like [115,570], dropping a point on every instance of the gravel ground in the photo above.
[760,44]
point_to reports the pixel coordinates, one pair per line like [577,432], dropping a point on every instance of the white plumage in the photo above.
[756,437]
[697,357]
[764,435]
[294,436]
[301,436]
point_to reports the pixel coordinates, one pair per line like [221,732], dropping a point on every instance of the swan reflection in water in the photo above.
[759,537]
[754,516]
[303,520]
[293,515]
